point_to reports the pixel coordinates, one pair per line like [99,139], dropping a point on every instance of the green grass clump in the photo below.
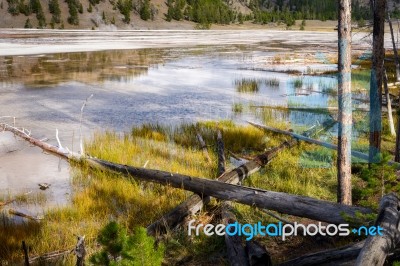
[237,108]
[247,85]
[272,82]
[32,198]
[236,138]
[298,83]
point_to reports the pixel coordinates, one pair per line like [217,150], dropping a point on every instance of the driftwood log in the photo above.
[235,251]
[257,254]
[252,254]
[4,203]
[237,255]
[319,210]
[377,248]
[319,110]
[43,145]
[357,154]
[51,257]
[195,203]
[203,146]
[332,256]
[24,215]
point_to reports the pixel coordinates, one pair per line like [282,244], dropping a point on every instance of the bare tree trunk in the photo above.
[378,247]
[221,154]
[375,94]
[80,251]
[396,55]
[203,146]
[345,109]
[397,150]
[389,104]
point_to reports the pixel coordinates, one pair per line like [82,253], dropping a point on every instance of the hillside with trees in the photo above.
[59,14]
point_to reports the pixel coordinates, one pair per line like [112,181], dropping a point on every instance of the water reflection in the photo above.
[152,85]
[86,67]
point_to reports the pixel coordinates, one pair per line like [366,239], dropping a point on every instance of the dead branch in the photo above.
[317,142]
[20,214]
[203,146]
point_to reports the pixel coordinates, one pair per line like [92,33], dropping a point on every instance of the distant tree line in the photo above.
[200,11]
[266,11]
[263,11]
[204,12]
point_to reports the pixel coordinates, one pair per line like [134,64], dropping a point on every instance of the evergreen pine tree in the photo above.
[119,247]
[145,12]
[54,8]
[28,24]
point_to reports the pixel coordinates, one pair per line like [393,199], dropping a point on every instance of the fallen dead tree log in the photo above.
[377,247]
[257,254]
[23,215]
[195,202]
[333,256]
[203,146]
[301,206]
[282,202]
[320,110]
[4,203]
[41,144]
[51,256]
[357,154]
[236,253]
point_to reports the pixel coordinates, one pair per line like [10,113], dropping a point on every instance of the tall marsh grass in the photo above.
[298,83]
[247,85]
[272,82]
